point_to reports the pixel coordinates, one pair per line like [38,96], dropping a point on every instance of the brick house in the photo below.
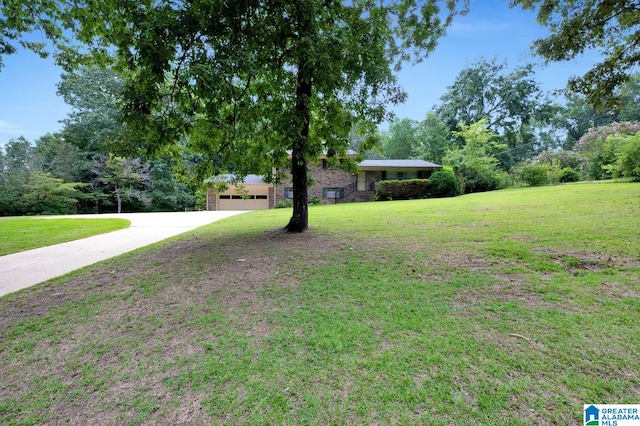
[332,185]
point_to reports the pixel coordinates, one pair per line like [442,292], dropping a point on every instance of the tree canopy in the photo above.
[510,102]
[577,26]
[399,140]
[427,139]
[94,94]
[487,90]
[261,84]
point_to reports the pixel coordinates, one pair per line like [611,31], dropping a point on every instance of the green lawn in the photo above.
[513,307]
[26,233]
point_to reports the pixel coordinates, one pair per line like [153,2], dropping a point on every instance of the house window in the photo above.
[288,192]
[261,197]
[423,174]
[236,197]
[361,185]
[400,175]
[332,193]
[225,197]
[383,175]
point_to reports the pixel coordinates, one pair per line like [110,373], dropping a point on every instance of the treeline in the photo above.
[79,171]
[56,177]
[495,127]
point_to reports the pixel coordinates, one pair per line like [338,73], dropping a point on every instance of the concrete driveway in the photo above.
[27,268]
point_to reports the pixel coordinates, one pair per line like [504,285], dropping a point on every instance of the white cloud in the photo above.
[8,127]
[9,130]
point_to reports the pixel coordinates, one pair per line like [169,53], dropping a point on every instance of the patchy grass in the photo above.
[510,307]
[26,233]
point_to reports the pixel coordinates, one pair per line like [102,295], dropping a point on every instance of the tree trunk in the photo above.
[119,201]
[300,219]
[302,115]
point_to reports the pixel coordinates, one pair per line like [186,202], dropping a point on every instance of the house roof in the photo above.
[366,165]
[249,179]
[408,164]
[324,154]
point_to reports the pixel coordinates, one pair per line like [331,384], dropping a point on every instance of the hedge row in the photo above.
[402,189]
[442,183]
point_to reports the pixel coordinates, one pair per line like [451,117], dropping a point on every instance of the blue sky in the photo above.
[29,105]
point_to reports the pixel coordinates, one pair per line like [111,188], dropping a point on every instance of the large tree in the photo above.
[629,97]
[433,138]
[60,158]
[15,168]
[398,141]
[427,139]
[124,177]
[95,123]
[486,89]
[578,26]
[263,84]
[510,102]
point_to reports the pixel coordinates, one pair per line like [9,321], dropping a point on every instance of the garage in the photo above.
[253,194]
[243,202]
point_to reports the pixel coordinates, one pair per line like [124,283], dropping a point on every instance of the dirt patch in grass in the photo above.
[517,288]
[509,288]
[420,258]
[576,261]
[221,262]
[146,312]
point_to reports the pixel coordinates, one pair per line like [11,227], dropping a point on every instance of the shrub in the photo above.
[629,158]
[444,183]
[479,177]
[476,169]
[590,141]
[562,159]
[401,189]
[288,203]
[535,174]
[568,175]
[560,167]
[610,150]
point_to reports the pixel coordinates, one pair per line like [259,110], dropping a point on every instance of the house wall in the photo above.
[373,176]
[211,199]
[324,178]
[338,178]
[400,173]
